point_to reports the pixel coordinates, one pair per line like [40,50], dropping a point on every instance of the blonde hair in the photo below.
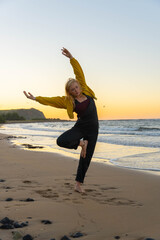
[67,89]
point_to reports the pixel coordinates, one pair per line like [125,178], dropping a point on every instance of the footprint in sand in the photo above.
[121,201]
[27,182]
[48,193]
[108,195]
[89,190]
[108,188]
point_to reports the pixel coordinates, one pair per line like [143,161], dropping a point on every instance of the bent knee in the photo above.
[59,142]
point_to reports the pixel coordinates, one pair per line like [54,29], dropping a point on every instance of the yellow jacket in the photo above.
[63,102]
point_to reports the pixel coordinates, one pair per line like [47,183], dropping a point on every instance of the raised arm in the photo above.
[79,73]
[76,67]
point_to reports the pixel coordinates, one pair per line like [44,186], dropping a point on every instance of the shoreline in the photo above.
[119,202]
[43,148]
[30,147]
[34,121]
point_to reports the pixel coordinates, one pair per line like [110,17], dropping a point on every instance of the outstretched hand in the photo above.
[66,53]
[29,95]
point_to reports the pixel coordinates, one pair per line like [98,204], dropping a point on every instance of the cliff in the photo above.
[28,114]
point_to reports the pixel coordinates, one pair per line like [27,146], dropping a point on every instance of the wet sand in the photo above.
[118,204]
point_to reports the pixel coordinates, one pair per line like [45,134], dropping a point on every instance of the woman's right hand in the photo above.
[66,53]
[29,95]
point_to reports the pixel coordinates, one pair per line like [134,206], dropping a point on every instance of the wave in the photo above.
[131,133]
[125,133]
[148,129]
[138,141]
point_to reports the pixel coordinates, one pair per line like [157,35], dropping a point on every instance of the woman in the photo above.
[80,99]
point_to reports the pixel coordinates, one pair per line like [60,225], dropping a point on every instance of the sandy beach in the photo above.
[118,204]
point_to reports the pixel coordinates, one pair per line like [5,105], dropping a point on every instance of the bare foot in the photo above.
[78,188]
[84,148]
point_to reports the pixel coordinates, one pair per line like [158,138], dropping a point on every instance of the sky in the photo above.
[116,42]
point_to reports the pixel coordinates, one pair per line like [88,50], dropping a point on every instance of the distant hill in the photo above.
[28,114]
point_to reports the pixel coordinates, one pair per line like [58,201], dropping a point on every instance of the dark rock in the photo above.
[77,235]
[27,237]
[10,224]
[2,180]
[31,146]
[21,137]
[24,224]
[7,226]
[149,239]
[46,222]
[17,225]
[117,237]
[10,137]
[20,225]
[6,220]
[29,200]
[65,238]
[9,199]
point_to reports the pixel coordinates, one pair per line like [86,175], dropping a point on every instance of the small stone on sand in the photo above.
[27,237]
[46,222]
[77,235]
[65,238]
[9,199]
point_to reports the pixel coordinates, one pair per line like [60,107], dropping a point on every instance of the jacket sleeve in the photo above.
[81,78]
[58,102]
[78,72]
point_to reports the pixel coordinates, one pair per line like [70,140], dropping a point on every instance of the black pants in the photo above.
[71,139]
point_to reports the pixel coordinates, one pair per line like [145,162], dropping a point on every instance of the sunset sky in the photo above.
[117,43]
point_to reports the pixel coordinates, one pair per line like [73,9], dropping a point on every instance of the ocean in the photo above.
[126,143]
